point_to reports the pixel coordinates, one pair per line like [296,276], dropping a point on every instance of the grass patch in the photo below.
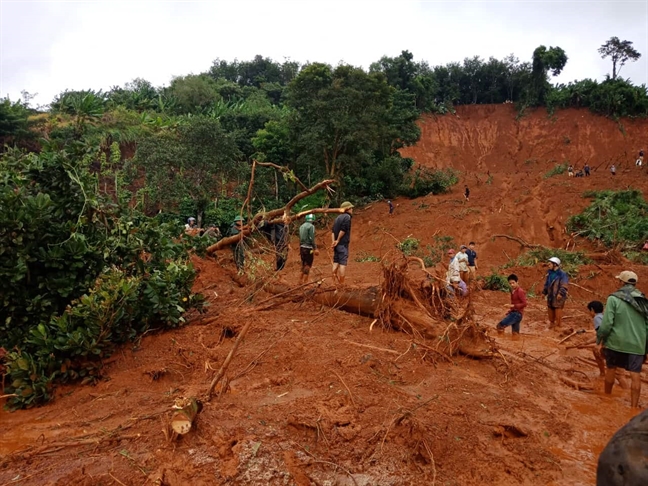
[363,257]
[431,254]
[557,170]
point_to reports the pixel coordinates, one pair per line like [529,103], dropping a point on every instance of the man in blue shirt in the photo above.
[472,261]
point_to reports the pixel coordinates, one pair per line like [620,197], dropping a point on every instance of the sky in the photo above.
[48,46]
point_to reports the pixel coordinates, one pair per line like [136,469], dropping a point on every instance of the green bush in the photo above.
[494,281]
[409,246]
[79,273]
[557,170]
[616,218]
[424,181]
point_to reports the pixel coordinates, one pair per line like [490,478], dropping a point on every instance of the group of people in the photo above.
[279,236]
[621,324]
[462,268]
[584,172]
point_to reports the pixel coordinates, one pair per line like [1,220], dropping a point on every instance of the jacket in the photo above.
[623,328]
[555,288]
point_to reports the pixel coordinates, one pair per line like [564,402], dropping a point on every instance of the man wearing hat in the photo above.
[340,238]
[453,268]
[555,288]
[622,334]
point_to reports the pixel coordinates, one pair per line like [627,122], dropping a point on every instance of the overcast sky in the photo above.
[49,46]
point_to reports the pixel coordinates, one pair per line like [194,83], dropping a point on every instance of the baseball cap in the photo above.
[627,276]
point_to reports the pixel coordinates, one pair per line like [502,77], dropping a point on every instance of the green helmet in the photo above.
[310,218]
[238,218]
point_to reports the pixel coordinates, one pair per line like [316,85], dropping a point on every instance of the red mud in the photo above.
[307,405]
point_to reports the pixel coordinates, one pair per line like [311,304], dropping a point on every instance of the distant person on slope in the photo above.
[622,334]
[191,228]
[513,317]
[570,170]
[391,207]
[613,170]
[587,169]
[639,161]
[340,238]
[472,261]
[307,247]
[462,258]
[555,288]
[467,194]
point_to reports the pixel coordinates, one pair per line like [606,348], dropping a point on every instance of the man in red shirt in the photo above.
[516,308]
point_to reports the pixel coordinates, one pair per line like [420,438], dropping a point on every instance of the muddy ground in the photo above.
[316,397]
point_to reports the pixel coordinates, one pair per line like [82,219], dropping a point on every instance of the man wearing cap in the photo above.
[622,334]
[340,238]
[454,271]
[555,288]
[462,259]
[307,247]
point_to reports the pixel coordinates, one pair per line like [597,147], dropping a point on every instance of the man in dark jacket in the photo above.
[555,288]
[622,334]
[340,238]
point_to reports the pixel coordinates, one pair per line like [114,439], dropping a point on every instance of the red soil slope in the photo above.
[316,398]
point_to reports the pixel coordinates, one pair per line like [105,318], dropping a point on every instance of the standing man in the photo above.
[613,170]
[587,169]
[622,334]
[462,259]
[340,238]
[307,247]
[518,302]
[472,261]
[391,207]
[467,193]
[238,249]
[555,288]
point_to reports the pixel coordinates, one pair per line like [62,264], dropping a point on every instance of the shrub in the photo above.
[616,218]
[425,181]
[79,274]
[570,261]
[495,281]
[409,246]
[557,170]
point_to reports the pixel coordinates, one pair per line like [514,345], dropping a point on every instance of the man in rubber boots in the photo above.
[340,238]
[622,334]
[307,247]
[237,248]
[555,288]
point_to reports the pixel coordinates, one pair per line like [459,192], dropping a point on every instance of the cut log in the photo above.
[186,410]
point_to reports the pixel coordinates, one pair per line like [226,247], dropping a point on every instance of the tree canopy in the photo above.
[619,53]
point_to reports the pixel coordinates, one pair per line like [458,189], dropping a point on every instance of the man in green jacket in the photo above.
[307,247]
[622,334]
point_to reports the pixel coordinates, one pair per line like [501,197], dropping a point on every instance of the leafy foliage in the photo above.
[570,260]
[78,272]
[494,281]
[426,181]
[619,53]
[556,170]
[616,218]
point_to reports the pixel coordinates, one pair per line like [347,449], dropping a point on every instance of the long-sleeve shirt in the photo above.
[453,269]
[623,328]
[555,288]
[462,258]
[518,300]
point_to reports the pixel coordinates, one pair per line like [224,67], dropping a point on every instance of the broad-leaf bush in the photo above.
[78,273]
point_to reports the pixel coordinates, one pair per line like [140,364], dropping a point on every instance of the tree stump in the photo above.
[186,410]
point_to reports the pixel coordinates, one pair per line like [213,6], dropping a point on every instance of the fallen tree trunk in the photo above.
[184,415]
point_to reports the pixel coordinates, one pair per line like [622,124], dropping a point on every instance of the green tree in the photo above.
[619,53]
[193,93]
[544,61]
[196,161]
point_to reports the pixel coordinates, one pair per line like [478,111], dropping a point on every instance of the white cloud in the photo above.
[49,46]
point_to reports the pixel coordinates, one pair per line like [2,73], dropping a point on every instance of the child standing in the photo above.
[516,308]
